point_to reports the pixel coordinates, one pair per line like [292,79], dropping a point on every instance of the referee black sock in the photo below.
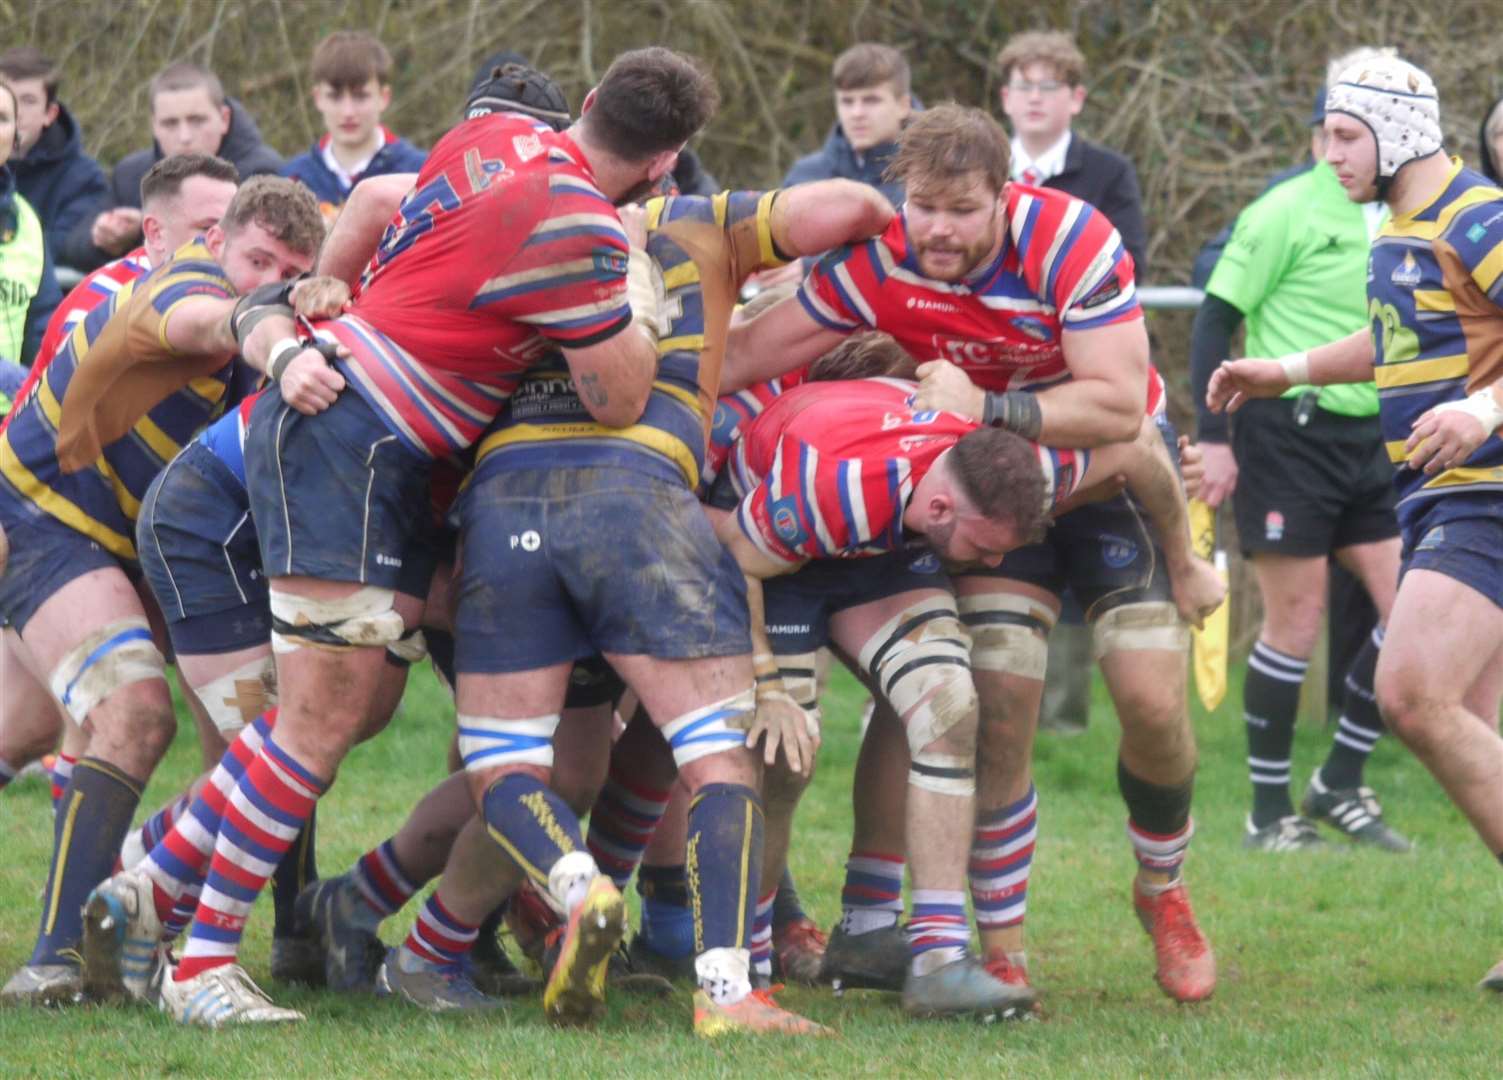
[1361,725]
[1270,699]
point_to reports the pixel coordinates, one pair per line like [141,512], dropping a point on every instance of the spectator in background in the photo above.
[872,100]
[1490,143]
[189,115]
[28,288]
[1043,90]
[1312,481]
[62,183]
[351,89]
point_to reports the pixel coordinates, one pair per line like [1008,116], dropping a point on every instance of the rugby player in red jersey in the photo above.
[1021,304]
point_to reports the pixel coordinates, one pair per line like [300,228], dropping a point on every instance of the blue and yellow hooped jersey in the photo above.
[545,423]
[1435,310]
[102,501]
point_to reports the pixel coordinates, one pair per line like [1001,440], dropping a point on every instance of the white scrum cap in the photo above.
[1397,101]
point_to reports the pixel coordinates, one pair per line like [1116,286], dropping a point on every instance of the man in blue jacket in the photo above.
[190,114]
[53,174]
[351,89]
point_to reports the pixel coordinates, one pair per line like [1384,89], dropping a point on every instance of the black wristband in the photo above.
[1013,410]
[258,304]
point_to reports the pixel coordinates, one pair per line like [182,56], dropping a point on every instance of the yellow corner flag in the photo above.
[1210,642]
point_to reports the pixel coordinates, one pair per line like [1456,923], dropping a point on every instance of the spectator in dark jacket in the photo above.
[872,100]
[53,174]
[351,89]
[1043,90]
[189,115]
[29,291]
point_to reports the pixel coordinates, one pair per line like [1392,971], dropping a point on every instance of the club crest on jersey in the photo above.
[1117,551]
[526,147]
[1407,272]
[1034,327]
[609,262]
[785,523]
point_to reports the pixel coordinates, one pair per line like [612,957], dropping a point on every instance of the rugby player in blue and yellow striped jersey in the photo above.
[1434,345]
[70,590]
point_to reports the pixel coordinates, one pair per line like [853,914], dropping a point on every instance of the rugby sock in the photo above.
[298,868]
[786,908]
[761,937]
[1360,726]
[1270,699]
[667,922]
[91,822]
[382,884]
[532,824]
[723,854]
[1001,861]
[177,864]
[872,896]
[438,937]
[937,932]
[139,841]
[1158,825]
[62,773]
[622,822]
[262,819]
[7,773]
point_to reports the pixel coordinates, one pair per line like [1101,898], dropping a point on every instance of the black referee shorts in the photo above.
[1309,489]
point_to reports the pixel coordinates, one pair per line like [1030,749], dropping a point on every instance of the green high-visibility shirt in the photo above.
[1296,267]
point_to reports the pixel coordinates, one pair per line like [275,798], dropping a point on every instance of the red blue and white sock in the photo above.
[265,814]
[178,863]
[1001,860]
[761,935]
[439,937]
[1161,853]
[382,885]
[938,933]
[872,896]
[62,775]
[624,817]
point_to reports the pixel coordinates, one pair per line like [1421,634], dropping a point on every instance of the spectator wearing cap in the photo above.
[190,114]
[351,76]
[62,183]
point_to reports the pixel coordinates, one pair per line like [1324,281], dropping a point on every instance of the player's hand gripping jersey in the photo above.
[828,468]
[1435,308]
[102,500]
[505,249]
[548,425]
[1062,267]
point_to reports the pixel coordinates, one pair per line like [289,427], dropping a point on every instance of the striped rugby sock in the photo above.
[263,817]
[872,897]
[1001,861]
[622,823]
[438,936]
[1270,699]
[761,935]
[937,932]
[382,884]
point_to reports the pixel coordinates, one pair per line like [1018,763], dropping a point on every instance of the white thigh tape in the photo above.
[115,655]
[712,729]
[921,661]
[236,699]
[486,742]
[1009,633]
[1154,624]
[410,648]
[365,617]
[799,673]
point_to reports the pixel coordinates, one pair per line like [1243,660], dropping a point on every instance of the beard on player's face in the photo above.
[954,226]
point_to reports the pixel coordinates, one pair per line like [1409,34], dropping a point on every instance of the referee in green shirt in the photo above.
[1312,481]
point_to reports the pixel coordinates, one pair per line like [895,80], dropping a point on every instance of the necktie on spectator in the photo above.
[1032,176]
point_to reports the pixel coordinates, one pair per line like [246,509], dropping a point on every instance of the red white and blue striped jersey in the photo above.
[827,469]
[733,412]
[1061,267]
[505,249]
[95,289]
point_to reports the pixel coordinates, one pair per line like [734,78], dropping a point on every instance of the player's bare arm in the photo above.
[808,219]
[357,231]
[1347,360]
[779,718]
[780,339]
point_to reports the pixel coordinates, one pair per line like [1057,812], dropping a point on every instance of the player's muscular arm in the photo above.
[780,339]
[1346,360]
[1104,398]
[808,219]
[357,231]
